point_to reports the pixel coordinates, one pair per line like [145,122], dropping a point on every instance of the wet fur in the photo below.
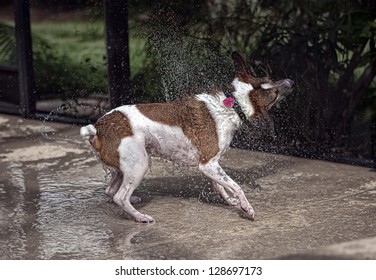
[195,131]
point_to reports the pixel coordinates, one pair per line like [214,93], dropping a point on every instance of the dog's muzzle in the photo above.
[284,88]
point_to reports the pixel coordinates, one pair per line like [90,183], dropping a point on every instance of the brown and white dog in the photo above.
[195,131]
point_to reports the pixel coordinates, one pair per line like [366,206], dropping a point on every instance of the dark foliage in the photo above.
[326,47]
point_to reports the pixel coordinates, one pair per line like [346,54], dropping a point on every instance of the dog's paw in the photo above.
[233,201]
[248,209]
[143,218]
[251,215]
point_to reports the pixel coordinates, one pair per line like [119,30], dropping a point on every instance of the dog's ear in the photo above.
[239,63]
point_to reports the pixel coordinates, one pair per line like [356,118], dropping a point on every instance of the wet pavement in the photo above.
[53,206]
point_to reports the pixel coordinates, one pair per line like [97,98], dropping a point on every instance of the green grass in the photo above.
[81,41]
[70,56]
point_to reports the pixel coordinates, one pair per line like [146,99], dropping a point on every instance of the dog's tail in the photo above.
[88,130]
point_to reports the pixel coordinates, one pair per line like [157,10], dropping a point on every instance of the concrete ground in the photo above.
[53,206]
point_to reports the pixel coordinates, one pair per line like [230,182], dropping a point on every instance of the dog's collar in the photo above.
[237,107]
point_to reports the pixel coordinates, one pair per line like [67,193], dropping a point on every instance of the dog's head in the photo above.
[260,93]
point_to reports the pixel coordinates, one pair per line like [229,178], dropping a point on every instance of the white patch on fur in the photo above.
[88,130]
[241,87]
[226,119]
[241,94]
[161,140]
[266,86]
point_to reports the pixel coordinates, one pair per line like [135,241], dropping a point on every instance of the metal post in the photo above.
[116,18]
[25,57]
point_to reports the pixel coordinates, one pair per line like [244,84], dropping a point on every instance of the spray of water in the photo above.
[186,64]
[47,134]
[66,109]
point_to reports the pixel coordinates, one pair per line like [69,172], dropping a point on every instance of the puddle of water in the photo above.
[47,213]
[52,201]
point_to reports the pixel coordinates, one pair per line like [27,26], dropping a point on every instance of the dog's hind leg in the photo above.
[134,162]
[214,171]
[233,201]
[115,183]
[116,179]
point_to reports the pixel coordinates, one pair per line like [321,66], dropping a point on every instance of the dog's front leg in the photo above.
[214,171]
